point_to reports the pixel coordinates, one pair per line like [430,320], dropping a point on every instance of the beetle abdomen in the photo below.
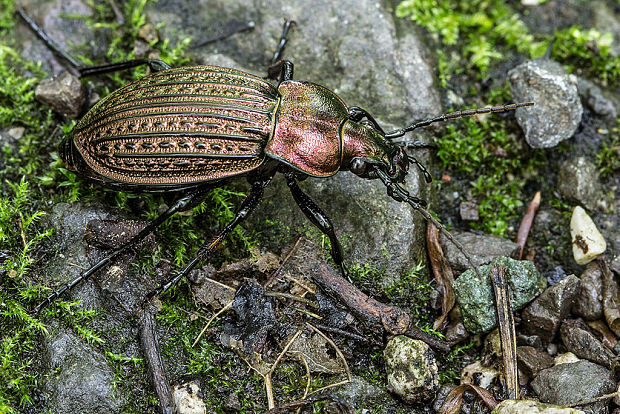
[179,127]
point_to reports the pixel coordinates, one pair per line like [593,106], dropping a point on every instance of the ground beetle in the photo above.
[193,127]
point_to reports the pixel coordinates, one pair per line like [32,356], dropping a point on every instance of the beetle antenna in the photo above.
[454,115]
[398,193]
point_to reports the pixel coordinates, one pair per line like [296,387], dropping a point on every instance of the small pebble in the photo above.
[588,243]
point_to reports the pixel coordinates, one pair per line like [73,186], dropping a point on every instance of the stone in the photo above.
[589,300]
[578,181]
[557,111]
[187,400]
[569,383]
[588,243]
[531,407]
[411,369]
[482,248]
[580,341]
[469,211]
[532,360]
[78,379]
[543,316]
[63,94]
[475,297]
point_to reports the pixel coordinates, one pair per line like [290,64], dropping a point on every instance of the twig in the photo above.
[267,377]
[152,355]
[591,400]
[506,325]
[215,315]
[329,341]
[292,297]
[344,333]
[526,223]
[275,274]
[379,316]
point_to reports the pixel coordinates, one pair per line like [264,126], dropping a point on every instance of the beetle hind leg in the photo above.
[248,205]
[180,205]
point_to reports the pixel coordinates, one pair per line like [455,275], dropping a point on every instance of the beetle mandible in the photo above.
[189,128]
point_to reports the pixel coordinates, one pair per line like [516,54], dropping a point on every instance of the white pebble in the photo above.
[587,241]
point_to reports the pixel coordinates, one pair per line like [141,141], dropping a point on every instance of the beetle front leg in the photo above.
[248,205]
[319,219]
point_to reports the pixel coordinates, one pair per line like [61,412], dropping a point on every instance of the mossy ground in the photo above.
[473,39]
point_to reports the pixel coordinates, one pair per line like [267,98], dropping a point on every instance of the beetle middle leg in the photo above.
[319,219]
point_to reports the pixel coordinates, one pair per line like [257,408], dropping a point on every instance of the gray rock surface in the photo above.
[543,316]
[568,383]
[558,110]
[78,378]
[578,181]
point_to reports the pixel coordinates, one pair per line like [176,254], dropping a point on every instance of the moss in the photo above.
[588,52]
[481,29]
[608,158]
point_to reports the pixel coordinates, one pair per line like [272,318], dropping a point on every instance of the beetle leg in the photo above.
[281,71]
[283,41]
[154,64]
[319,219]
[181,204]
[248,205]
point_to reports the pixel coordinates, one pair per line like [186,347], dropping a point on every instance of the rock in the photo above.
[589,300]
[475,298]
[569,383]
[594,97]
[482,248]
[360,394]
[456,332]
[578,340]
[63,94]
[469,211]
[588,243]
[543,316]
[532,360]
[78,378]
[531,407]
[565,358]
[187,399]
[558,110]
[411,369]
[578,181]
[478,374]
[555,276]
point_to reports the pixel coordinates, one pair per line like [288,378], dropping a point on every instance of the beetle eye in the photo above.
[358,166]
